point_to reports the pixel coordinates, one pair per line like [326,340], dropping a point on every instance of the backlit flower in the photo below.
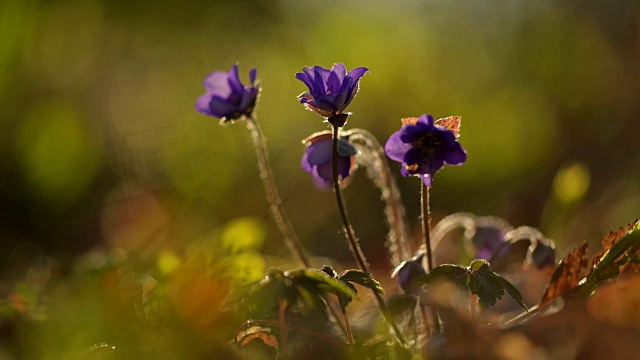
[330,91]
[424,146]
[226,97]
[318,159]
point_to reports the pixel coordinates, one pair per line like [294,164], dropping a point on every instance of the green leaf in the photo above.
[486,285]
[477,264]
[455,273]
[312,279]
[513,292]
[361,278]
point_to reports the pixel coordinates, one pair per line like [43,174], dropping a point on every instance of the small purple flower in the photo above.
[424,146]
[226,97]
[542,253]
[318,159]
[408,270]
[486,240]
[330,91]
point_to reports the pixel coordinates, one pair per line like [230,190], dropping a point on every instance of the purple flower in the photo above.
[408,270]
[486,240]
[330,91]
[226,97]
[542,253]
[424,146]
[318,159]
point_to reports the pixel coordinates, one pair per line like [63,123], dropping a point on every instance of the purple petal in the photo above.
[341,99]
[426,180]
[411,132]
[357,73]
[344,166]
[426,119]
[340,70]
[221,108]
[413,156]
[454,156]
[430,165]
[202,104]
[321,183]
[325,171]
[248,98]
[217,83]
[305,79]
[320,152]
[333,84]
[404,171]
[234,79]
[304,163]
[322,104]
[395,147]
[252,76]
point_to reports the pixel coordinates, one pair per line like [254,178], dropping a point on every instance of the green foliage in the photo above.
[477,278]
[361,278]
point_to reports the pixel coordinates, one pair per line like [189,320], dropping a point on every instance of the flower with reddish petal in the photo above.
[318,159]
[226,97]
[330,91]
[424,146]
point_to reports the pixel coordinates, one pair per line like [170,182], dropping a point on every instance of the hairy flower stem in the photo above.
[379,172]
[273,197]
[277,210]
[426,236]
[351,238]
[426,224]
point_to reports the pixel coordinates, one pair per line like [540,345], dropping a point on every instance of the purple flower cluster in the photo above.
[424,147]
[330,91]
[318,156]
[226,97]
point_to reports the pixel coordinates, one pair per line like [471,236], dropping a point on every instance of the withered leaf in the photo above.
[260,334]
[567,275]
[608,241]
[452,123]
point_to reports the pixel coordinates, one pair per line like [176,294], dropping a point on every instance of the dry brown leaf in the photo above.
[567,275]
[452,123]
[267,339]
[608,241]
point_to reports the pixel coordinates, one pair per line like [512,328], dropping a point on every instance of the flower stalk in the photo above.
[426,236]
[379,172]
[271,190]
[426,224]
[353,241]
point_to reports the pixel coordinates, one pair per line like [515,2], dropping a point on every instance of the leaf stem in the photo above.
[351,238]
[283,325]
[473,300]
[271,190]
[347,325]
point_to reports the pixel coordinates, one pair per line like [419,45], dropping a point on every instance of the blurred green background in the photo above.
[101,148]
[99,135]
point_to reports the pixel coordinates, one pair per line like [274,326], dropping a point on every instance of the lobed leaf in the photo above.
[487,285]
[456,273]
[361,278]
